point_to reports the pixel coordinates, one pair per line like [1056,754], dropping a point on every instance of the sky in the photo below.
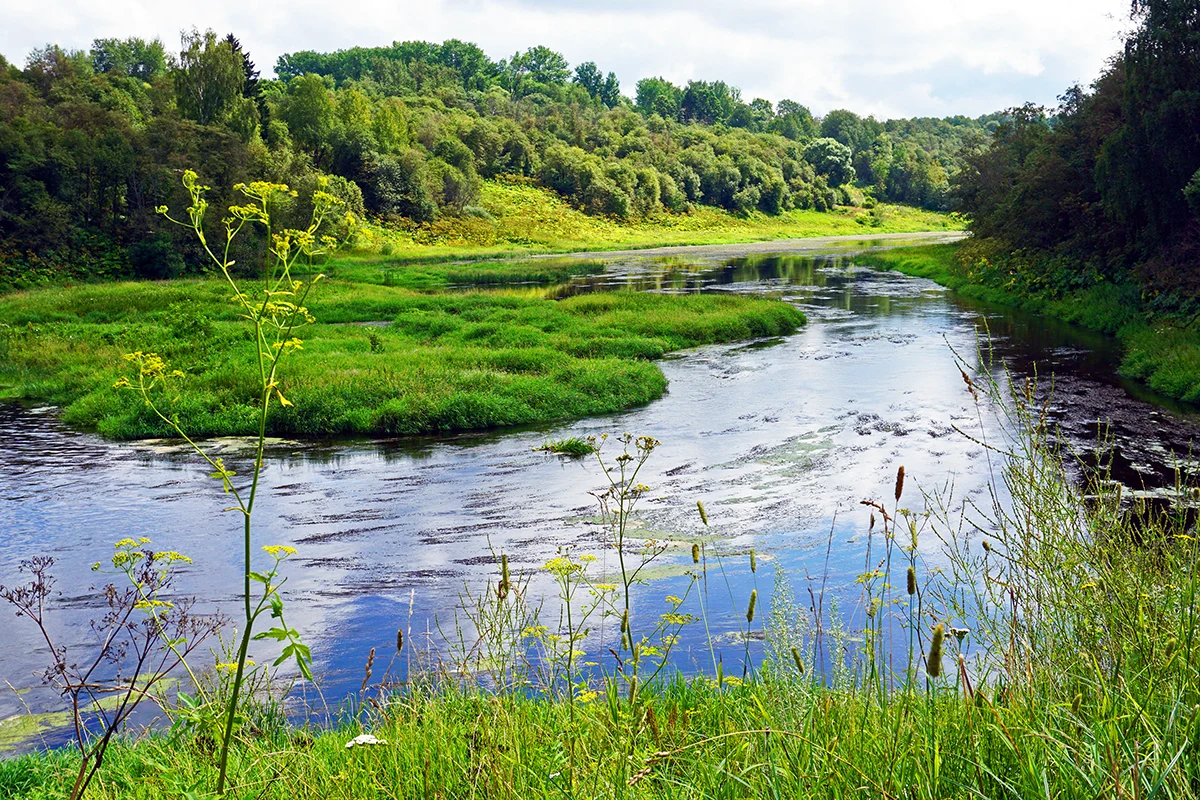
[890,58]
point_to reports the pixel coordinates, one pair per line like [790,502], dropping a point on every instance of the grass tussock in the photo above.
[572,446]
[381,361]
[1161,349]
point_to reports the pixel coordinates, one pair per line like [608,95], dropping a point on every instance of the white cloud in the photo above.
[903,57]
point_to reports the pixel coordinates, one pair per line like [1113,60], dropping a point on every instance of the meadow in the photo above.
[522,219]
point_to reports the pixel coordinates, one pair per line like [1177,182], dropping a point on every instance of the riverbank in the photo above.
[1158,351]
[381,360]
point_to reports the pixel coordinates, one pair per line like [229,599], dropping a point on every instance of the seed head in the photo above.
[933,664]
[703,514]
[399,640]
[899,483]
[798,660]
[695,554]
[912,580]
[753,602]
[753,561]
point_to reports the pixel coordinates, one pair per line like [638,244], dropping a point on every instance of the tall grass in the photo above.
[1065,614]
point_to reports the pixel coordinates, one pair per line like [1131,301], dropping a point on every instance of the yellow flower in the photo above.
[275,551]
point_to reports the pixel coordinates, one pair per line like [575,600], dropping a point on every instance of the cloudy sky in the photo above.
[884,57]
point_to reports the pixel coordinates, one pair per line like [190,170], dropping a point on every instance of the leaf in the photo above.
[258,576]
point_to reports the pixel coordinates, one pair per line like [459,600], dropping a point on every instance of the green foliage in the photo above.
[91,143]
[209,79]
[1104,178]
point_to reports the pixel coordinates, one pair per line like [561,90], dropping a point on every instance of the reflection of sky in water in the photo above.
[781,440]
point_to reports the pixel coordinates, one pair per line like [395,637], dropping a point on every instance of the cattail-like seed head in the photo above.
[899,483]
[871,527]
[399,640]
[720,673]
[703,514]
[633,682]
[502,589]
[625,621]
[987,546]
[912,529]
[798,660]
[370,664]
[912,580]
[753,561]
[753,602]
[1076,702]
[933,665]
[695,554]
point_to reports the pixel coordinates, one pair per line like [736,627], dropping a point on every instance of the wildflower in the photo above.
[364,740]
[279,551]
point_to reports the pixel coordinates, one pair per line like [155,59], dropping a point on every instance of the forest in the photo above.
[91,142]
[1103,189]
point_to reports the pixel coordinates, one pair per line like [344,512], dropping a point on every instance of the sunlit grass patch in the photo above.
[426,362]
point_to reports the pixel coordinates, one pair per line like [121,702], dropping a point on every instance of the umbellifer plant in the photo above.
[275,307]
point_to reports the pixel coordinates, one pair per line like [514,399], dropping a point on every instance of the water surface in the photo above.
[780,438]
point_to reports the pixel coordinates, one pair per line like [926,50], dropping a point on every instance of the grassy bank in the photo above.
[528,219]
[1158,350]
[382,360]
[1056,659]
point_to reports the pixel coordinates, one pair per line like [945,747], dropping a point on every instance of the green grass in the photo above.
[1158,351]
[529,219]
[572,446]
[425,363]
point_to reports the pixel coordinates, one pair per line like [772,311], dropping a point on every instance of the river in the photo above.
[781,439]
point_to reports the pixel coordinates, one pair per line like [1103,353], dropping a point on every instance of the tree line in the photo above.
[1106,186]
[92,141]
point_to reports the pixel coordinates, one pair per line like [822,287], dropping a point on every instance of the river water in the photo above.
[781,439]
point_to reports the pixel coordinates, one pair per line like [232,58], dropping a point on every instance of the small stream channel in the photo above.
[780,438]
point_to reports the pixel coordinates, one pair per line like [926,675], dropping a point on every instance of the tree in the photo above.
[309,112]
[252,87]
[209,78]
[832,159]
[134,58]
[658,96]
